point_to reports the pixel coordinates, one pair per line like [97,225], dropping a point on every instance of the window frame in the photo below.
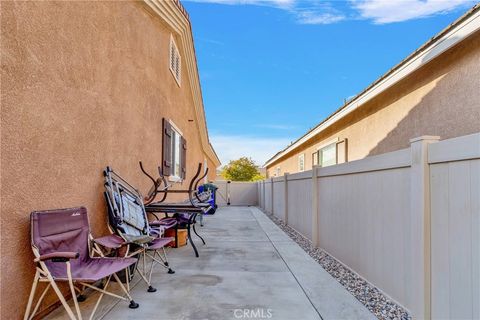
[325,145]
[174,177]
[320,154]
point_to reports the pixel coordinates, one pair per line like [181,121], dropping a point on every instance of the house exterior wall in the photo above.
[439,99]
[84,85]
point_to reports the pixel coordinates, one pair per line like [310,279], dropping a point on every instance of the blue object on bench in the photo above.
[213,193]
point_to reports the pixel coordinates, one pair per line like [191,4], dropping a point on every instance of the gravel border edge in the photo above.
[370,296]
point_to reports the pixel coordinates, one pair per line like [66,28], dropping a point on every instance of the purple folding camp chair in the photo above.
[61,246]
[131,229]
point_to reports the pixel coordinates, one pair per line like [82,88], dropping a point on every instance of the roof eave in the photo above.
[455,33]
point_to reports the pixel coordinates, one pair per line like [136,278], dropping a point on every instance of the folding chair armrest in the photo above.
[58,256]
[111,241]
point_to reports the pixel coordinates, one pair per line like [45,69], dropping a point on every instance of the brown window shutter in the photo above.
[167,147]
[183,158]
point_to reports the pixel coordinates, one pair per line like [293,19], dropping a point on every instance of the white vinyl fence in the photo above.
[407,221]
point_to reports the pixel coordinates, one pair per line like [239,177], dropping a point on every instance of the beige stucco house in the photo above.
[86,85]
[434,91]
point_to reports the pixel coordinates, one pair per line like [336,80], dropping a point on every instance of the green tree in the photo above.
[243,169]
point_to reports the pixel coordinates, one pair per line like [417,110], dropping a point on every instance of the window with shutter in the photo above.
[175,61]
[167,148]
[174,152]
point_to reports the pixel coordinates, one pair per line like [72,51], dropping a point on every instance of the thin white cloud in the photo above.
[305,12]
[382,11]
[378,11]
[270,3]
[312,17]
[232,147]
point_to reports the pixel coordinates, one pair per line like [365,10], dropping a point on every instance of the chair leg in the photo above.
[143,274]
[100,298]
[81,297]
[60,296]
[127,277]
[165,255]
[32,295]
[133,304]
[34,312]
[165,261]
[151,269]
[72,289]
[161,261]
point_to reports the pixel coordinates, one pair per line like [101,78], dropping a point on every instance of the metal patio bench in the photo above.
[185,213]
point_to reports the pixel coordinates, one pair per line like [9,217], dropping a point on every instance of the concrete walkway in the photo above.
[249,269]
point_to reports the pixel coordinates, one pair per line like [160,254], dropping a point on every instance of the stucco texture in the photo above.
[440,99]
[84,85]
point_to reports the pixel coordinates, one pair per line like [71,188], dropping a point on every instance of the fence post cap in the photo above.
[425,138]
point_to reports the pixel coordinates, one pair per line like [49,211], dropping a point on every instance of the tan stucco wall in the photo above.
[439,99]
[84,85]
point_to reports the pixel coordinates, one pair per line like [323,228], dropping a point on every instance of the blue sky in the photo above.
[272,69]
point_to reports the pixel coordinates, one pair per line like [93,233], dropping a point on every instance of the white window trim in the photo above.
[172,177]
[175,127]
[301,156]
[327,143]
[174,45]
[320,155]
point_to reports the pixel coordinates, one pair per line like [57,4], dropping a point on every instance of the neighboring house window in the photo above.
[301,162]
[277,172]
[327,156]
[175,61]
[174,152]
[330,153]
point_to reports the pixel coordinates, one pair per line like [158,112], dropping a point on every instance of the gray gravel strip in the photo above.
[370,296]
